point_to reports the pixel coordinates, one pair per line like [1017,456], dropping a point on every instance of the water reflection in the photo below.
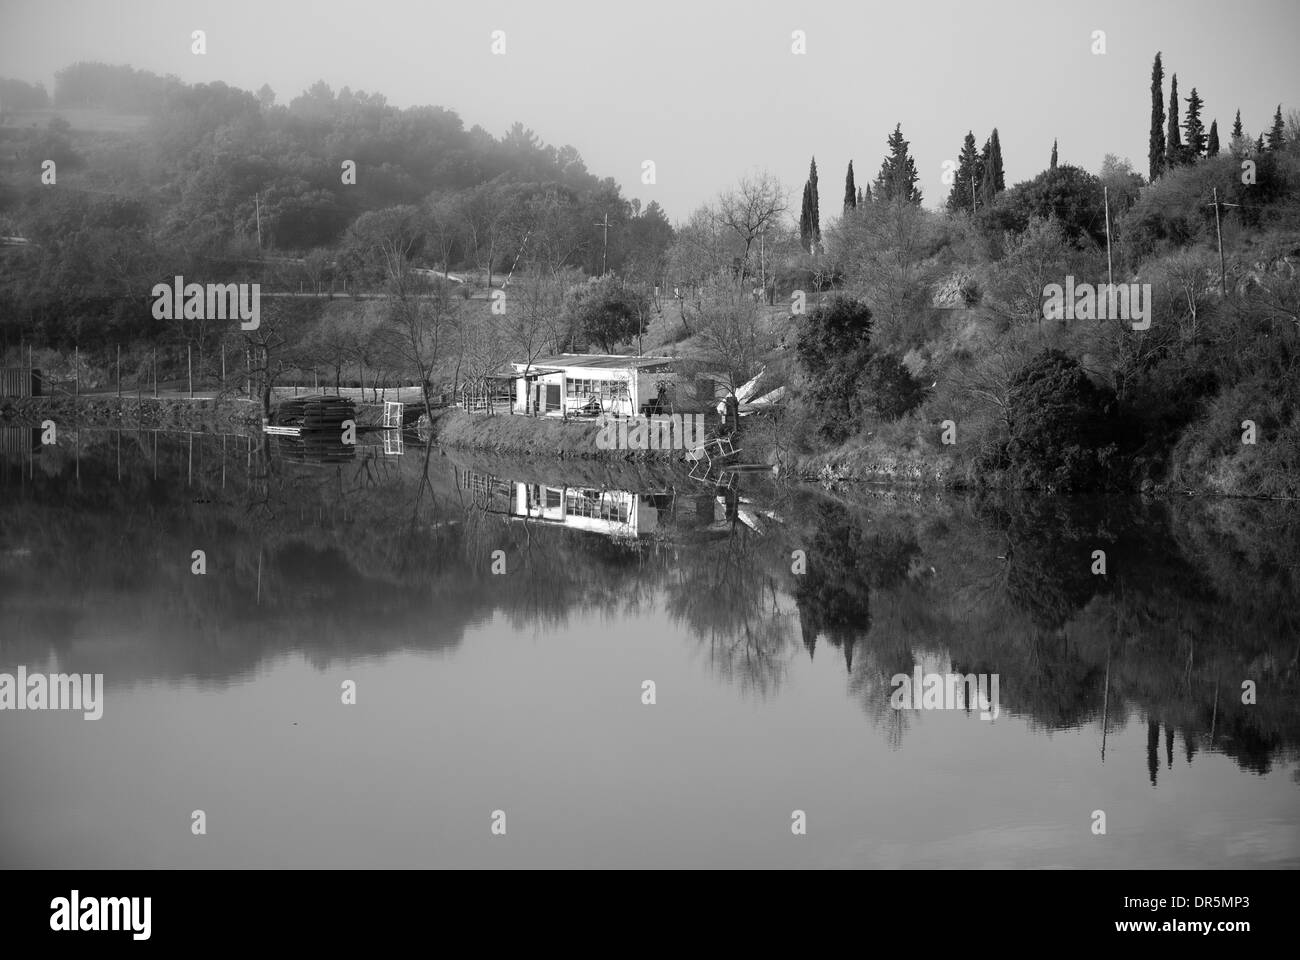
[388,546]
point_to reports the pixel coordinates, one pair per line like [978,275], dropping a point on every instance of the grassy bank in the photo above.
[533,437]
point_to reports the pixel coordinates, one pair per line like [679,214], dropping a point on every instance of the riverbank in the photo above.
[533,437]
[208,415]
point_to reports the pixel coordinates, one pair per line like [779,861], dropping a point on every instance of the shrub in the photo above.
[1061,426]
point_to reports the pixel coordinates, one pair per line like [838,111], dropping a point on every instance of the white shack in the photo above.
[568,383]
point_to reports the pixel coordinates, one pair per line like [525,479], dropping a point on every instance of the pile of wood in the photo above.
[314,414]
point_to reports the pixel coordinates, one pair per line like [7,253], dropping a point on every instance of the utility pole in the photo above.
[604,250]
[257,202]
[1218,229]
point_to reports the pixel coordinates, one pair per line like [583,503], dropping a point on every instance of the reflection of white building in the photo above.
[566,383]
[609,512]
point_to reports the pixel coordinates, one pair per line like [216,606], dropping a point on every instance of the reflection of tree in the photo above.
[722,592]
[844,563]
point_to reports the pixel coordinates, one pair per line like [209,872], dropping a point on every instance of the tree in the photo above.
[833,349]
[1156,145]
[1052,165]
[887,388]
[966,183]
[1173,136]
[1239,144]
[850,191]
[1236,126]
[992,180]
[897,178]
[1276,137]
[1194,143]
[809,221]
[1070,194]
[422,316]
[816,205]
[1060,425]
[733,339]
[380,244]
[608,311]
[1212,141]
[759,201]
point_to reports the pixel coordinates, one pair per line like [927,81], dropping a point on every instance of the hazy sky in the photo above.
[711,89]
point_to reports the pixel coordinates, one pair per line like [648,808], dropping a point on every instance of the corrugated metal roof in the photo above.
[602,361]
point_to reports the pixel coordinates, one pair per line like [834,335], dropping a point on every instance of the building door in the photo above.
[552,396]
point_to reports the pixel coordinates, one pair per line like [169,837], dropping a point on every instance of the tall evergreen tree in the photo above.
[966,183]
[805,218]
[1212,142]
[1276,138]
[1052,166]
[810,233]
[850,191]
[861,199]
[897,177]
[1173,136]
[991,180]
[1194,129]
[816,203]
[1240,145]
[1259,144]
[1156,147]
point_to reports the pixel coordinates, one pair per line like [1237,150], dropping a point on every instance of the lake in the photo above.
[392,655]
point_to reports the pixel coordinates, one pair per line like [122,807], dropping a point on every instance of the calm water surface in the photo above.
[522,692]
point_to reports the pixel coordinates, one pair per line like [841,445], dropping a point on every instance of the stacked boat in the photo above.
[295,416]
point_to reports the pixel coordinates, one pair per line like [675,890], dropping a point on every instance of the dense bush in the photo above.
[1061,426]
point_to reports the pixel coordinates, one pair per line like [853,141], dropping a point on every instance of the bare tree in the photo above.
[758,202]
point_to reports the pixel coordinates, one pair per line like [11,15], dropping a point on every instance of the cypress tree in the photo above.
[1194,147]
[850,192]
[1276,138]
[861,200]
[991,181]
[1236,127]
[1173,138]
[961,197]
[897,177]
[816,204]
[1156,147]
[1053,163]
[805,219]
[1259,144]
[1212,143]
[999,182]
